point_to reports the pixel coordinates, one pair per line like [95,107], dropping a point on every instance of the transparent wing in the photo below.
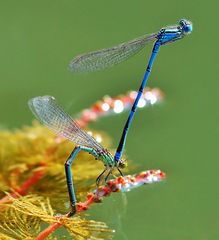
[49,113]
[108,57]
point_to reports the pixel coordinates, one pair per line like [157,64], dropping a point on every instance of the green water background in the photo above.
[38,38]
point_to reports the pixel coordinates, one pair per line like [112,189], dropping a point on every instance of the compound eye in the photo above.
[186,26]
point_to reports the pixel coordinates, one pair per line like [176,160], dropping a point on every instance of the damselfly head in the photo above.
[186,26]
[122,163]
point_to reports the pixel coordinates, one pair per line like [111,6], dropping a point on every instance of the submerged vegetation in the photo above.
[34,196]
[33,185]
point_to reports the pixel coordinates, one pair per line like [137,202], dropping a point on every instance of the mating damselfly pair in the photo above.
[48,112]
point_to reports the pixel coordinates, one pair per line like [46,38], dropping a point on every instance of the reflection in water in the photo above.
[121,213]
[114,211]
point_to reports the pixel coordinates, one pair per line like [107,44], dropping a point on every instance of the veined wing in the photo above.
[49,113]
[108,57]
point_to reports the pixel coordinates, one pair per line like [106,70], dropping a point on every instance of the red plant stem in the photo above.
[37,175]
[107,105]
[30,182]
[119,184]
[45,233]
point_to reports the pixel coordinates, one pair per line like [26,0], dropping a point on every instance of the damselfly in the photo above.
[49,113]
[54,117]
[108,57]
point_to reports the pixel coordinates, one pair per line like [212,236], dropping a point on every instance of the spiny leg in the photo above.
[120,172]
[99,178]
[107,176]
[69,180]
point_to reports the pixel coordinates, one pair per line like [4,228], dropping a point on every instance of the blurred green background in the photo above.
[39,38]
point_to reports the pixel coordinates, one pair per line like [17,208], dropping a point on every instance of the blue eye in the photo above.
[186,26]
